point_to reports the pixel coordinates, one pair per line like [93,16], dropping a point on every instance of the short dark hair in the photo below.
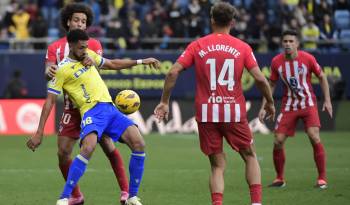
[68,11]
[291,33]
[223,13]
[76,35]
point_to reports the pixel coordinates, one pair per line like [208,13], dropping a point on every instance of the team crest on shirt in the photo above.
[300,70]
[294,84]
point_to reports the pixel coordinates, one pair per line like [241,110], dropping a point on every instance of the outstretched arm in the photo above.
[36,139]
[327,105]
[118,64]
[162,110]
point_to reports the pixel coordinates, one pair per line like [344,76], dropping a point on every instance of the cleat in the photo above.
[322,184]
[76,200]
[133,201]
[123,197]
[279,183]
[63,201]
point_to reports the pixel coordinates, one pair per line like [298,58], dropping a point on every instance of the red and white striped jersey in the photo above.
[59,49]
[219,61]
[296,76]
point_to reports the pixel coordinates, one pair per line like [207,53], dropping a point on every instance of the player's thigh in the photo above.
[106,144]
[133,138]
[237,134]
[313,134]
[95,121]
[286,123]
[69,125]
[311,118]
[210,138]
[217,160]
[119,125]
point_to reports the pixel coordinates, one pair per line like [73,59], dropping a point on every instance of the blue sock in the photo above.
[136,167]
[76,171]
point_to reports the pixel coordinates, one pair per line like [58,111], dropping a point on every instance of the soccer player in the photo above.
[219,61]
[99,116]
[295,68]
[79,16]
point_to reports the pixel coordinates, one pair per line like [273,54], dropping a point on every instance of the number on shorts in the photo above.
[66,118]
[87,121]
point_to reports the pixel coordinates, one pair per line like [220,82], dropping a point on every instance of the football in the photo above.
[127,101]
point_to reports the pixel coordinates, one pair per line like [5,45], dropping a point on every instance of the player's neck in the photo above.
[221,30]
[291,56]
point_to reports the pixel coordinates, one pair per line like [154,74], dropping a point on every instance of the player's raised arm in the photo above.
[118,64]
[36,139]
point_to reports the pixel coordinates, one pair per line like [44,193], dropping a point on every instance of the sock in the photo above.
[64,170]
[76,171]
[279,159]
[117,164]
[320,159]
[255,193]
[136,167]
[216,198]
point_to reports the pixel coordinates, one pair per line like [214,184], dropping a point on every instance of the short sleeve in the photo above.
[250,60]
[274,72]
[55,85]
[315,67]
[99,60]
[50,54]
[186,59]
[96,46]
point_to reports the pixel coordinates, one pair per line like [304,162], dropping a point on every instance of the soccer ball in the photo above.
[127,101]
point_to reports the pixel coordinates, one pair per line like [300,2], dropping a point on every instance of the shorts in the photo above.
[237,134]
[70,124]
[287,121]
[104,118]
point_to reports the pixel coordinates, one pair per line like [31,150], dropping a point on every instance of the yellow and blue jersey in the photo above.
[84,85]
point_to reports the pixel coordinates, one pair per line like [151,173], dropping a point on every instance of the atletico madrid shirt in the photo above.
[296,76]
[219,61]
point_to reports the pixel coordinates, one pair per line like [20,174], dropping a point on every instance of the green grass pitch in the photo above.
[176,173]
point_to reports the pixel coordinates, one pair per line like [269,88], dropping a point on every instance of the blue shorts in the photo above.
[104,118]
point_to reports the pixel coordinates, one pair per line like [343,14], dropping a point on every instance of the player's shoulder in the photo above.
[305,54]
[58,42]
[66,62]
[278,58]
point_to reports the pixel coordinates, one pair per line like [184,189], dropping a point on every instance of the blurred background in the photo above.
[162,29]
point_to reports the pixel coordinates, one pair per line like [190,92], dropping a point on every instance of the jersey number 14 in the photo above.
[225,76]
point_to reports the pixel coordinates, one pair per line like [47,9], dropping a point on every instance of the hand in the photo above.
[270,111]
[327,106]
[161,111]
[152,62]
[88,61]
[261,115]
[34,141]
[51,71]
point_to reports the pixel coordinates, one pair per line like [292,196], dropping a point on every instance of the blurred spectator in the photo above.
[322,9]
[327,32]
[175,19]
[49,9]
[16,87]
[7,20]
[273,36]
[133,25]
[117,32]
[39,29]
[341,5]
[310,34]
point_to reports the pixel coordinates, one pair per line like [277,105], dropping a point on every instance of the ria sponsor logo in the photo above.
[214,99]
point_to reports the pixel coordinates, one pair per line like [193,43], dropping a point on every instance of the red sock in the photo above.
[279,159]
[117,164]
[320,159]
[216,198]
[64,170]
[255,193]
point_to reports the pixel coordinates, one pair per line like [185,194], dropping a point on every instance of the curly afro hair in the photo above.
[68,11]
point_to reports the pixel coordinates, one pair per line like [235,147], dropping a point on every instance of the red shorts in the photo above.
[70,124]
[287,121]
[237,134]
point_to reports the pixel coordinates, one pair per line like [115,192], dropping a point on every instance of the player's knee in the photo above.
[64,152]
[217,161]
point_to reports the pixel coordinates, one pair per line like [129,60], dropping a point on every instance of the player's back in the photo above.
[219,62]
